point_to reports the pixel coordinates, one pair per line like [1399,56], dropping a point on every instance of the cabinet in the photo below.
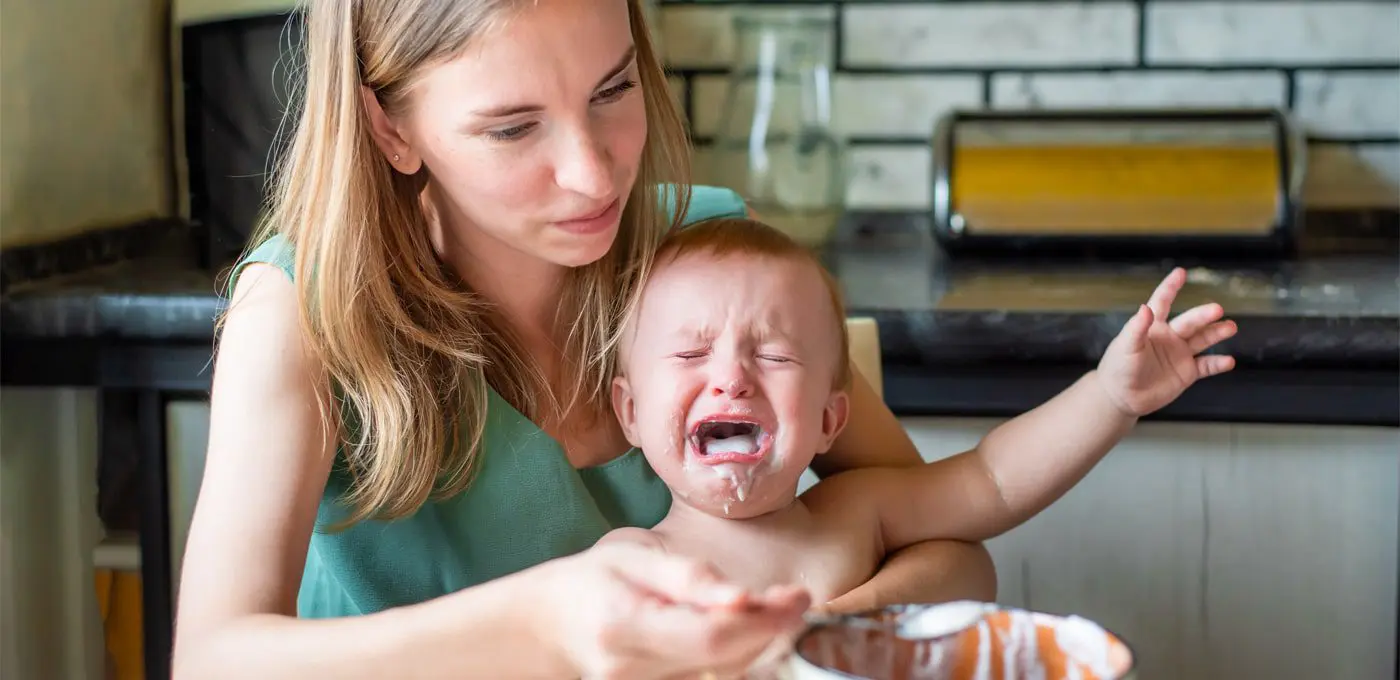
[50,626]
[1219,550]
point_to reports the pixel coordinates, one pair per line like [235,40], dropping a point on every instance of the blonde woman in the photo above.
[411,444]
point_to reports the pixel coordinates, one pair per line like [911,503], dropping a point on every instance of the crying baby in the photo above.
[732,376]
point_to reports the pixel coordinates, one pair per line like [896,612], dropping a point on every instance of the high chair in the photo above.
[864,333]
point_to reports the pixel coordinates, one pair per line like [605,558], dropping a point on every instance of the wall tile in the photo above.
[988,34]
[871,106]
[1272,32]
[889,177]
[881,177]
[1139,89]
[1350,103]
[901,105]
[702,36]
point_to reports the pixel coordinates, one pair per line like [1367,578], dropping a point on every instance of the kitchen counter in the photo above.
[1319,336]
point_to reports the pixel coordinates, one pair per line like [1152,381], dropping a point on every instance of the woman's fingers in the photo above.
[720,640]
[1211,336]
[1191,321]
[785,597]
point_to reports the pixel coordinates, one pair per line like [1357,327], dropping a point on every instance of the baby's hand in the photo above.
[1152,361]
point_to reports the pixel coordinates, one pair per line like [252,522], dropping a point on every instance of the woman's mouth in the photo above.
[729,439]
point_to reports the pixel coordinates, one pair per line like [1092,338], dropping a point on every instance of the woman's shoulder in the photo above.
[707,202]
[276,250]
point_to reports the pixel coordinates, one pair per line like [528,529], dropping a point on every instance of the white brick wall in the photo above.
[1273,32]
[701,35]
[900,65]
[1139,89]
[1349,103]
[863,105]
[889,177]
[990,34]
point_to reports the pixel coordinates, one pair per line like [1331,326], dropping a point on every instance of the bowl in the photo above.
[956,641]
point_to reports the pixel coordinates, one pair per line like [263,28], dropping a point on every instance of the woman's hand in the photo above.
[1152,361]
[624,611]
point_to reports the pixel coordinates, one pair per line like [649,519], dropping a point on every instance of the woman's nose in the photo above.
[584,166]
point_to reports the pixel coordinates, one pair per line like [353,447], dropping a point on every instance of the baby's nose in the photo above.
[733,383]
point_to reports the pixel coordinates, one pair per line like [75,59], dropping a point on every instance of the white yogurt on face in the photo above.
[738,476]
[743,444]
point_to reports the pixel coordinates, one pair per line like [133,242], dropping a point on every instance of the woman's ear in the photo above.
[386,135]
[834,416]
[625,407]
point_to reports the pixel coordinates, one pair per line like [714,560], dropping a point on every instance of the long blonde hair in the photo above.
[410,352]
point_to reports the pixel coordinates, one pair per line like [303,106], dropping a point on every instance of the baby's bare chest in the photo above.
[828,561]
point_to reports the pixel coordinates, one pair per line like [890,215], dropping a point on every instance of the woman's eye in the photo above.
[510,133]
[615,92]
[607,96]
[693,354]
[774,358]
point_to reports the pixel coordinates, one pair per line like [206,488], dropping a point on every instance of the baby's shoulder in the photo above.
[845,491]
[634,536]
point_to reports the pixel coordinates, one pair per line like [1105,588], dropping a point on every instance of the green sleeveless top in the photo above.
[526,505]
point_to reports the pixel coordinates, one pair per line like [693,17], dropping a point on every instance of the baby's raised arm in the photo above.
[1018,470]
[1025,464]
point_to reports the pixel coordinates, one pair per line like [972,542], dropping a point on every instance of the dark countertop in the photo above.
[945,324]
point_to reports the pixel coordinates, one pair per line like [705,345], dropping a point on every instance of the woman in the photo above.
[416,357]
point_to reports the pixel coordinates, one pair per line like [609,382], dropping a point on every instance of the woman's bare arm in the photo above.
[873,436]
[269,455]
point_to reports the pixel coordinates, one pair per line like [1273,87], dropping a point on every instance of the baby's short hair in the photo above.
[723,236]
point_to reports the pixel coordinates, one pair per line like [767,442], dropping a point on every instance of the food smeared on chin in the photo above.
[729,439]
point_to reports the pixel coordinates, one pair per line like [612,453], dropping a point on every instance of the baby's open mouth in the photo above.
[726,439]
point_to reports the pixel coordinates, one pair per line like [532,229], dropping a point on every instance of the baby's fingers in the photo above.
[1135,331]
[1191,321]
[1212,335]
[1165,294]
[1213,364]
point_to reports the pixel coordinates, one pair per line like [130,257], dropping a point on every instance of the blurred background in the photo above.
[996,184]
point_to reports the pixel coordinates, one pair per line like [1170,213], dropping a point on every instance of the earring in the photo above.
[396,158]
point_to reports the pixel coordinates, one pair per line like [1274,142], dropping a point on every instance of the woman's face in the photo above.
[532,136]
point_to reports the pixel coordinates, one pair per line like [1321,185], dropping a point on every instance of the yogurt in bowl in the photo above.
[955,641]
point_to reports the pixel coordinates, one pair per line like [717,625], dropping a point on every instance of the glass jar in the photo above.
[775,144]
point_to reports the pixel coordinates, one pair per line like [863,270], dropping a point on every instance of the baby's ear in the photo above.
[834,415]
[626,409]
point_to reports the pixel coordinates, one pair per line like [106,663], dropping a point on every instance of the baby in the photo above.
[734,375]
